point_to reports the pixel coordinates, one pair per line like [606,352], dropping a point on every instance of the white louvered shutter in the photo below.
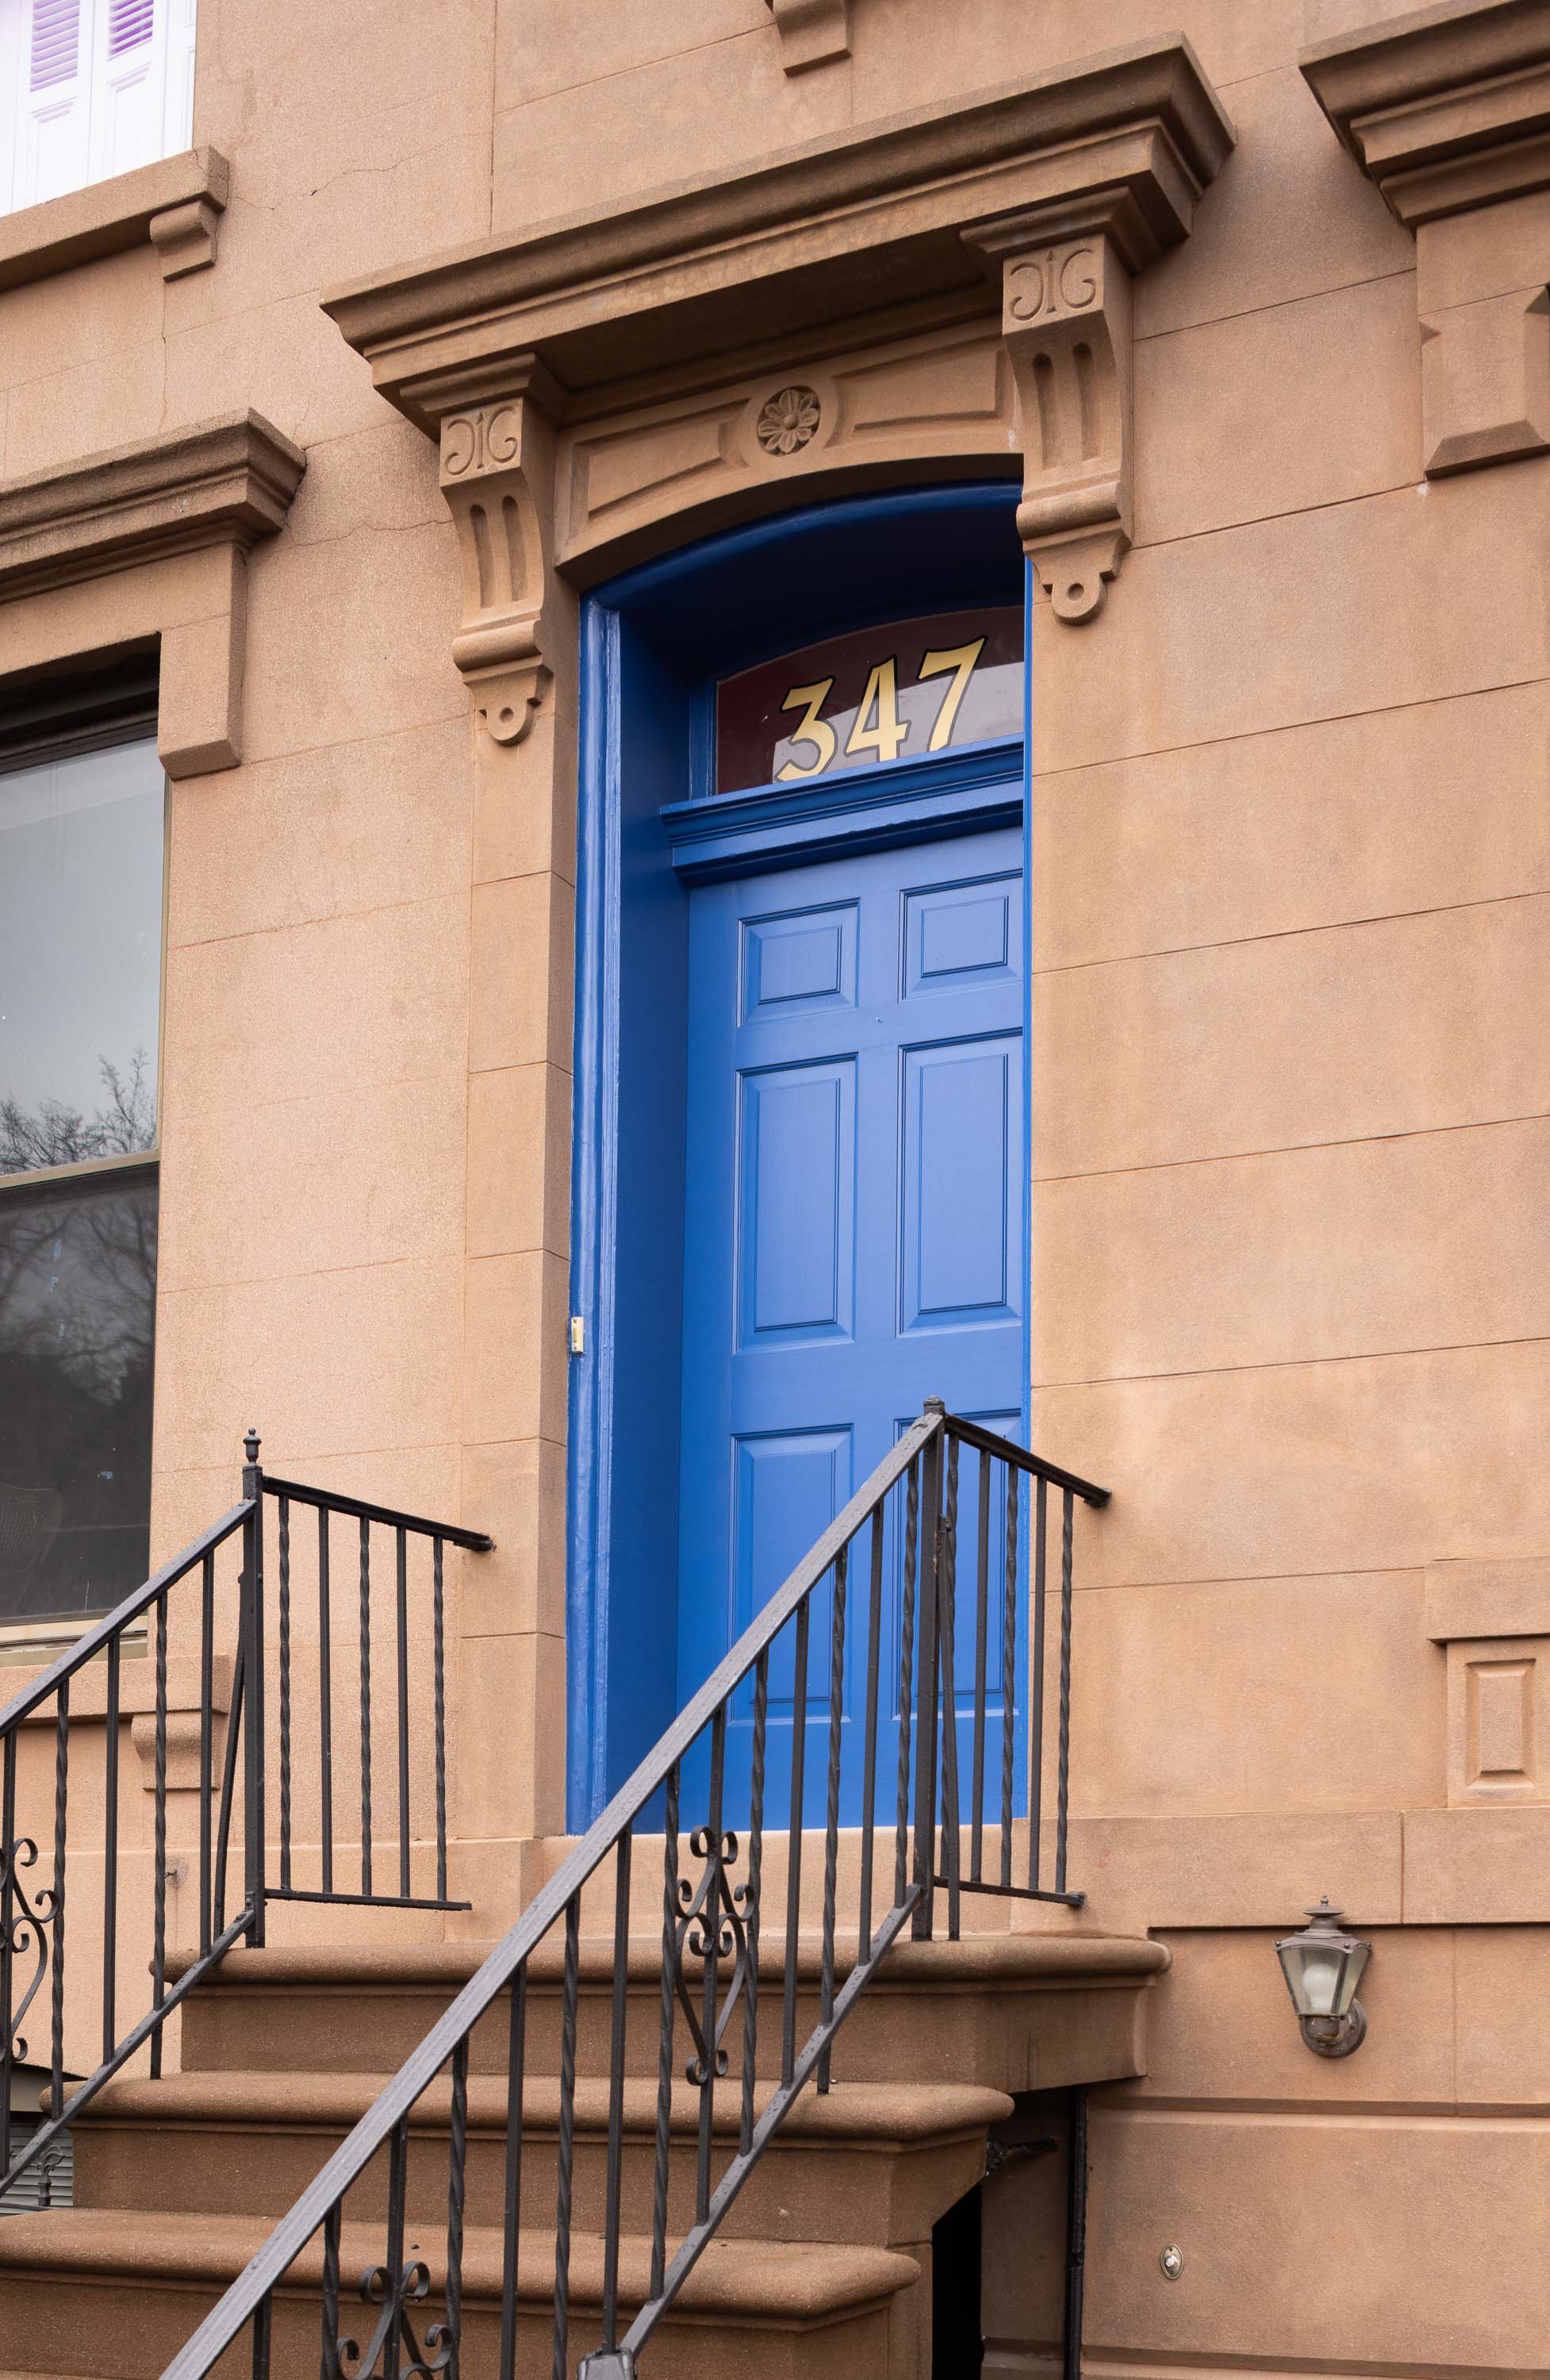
[53,110]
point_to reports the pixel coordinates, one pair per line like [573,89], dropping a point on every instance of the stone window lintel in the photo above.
[172,519]
[1447,113]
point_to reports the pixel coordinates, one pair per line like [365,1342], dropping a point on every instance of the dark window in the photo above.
[80,975]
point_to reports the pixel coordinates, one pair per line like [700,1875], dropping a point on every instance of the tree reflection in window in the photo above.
[81,971]
[78,1281]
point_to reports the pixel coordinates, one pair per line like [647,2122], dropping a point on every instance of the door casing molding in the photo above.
[652,641]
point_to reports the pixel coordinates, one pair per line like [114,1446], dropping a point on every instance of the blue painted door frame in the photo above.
[649,828]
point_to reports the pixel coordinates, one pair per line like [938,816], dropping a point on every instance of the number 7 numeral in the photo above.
[961,659]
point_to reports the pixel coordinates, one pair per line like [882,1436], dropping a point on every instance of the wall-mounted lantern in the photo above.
[1322,1966]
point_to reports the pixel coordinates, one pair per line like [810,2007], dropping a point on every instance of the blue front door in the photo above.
[855,1230]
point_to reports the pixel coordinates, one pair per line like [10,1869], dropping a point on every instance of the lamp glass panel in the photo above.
[1313,1972]
[1355,1959]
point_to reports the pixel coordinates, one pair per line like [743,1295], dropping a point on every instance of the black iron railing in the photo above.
[73,1848]
[703,2004]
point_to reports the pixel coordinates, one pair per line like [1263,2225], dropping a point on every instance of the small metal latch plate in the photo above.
[578,1335]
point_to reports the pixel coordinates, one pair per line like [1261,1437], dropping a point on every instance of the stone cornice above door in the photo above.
[721,323]
[1448,112]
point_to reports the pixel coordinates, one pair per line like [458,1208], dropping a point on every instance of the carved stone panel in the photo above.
[1491,1618]
[948,394]
[1486,382]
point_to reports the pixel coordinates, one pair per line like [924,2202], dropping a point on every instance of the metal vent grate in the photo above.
[49,2181]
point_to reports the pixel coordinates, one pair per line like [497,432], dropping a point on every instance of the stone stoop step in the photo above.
[821,2267]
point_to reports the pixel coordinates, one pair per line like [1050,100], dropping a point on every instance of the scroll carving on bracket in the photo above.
[1066,326]
[497,477]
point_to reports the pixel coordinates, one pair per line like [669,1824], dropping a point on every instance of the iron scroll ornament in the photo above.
[24,1927]
[718,1938]
[396,2297]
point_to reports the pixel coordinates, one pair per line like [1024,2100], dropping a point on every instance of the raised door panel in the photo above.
[796,1203]
[960,1202]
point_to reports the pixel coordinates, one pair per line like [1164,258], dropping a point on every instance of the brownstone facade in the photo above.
[547,265]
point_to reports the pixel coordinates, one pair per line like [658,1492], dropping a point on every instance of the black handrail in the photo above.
[33,1915]
[718,1925]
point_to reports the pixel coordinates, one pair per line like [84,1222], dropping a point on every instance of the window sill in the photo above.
[175,204]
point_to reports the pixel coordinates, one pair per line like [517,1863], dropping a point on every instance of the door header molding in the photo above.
[565,372]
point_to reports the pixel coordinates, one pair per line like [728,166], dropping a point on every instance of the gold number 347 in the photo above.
[878,726]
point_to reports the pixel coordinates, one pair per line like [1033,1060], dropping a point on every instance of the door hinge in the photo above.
[578,1335]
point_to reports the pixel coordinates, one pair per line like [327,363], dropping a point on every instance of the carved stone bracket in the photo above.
[813,32]
[1066,325]
[1448,113]
[497,457]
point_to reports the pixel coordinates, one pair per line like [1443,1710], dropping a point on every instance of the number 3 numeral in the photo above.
[812,730]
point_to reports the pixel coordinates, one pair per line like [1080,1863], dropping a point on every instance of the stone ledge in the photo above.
[175,204]
[1487,1598]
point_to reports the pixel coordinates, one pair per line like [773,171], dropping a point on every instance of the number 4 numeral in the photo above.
[881,696]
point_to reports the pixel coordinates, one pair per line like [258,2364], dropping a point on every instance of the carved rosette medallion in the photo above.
[789,420]
[495,463]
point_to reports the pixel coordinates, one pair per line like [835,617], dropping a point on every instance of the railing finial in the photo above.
[250,1444]
[933,1406]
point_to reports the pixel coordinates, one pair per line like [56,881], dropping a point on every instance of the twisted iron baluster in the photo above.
[567,2141]
[1068,1504]
[664,2057]
[950,1822]
[61,1796]
[452,2336]
[159,1922]
[831,1816]
[748,1895]
[1009,1675]
[285,1694]
[906,1673]
[364,1710]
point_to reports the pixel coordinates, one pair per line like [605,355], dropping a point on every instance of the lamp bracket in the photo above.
[1336,2036]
